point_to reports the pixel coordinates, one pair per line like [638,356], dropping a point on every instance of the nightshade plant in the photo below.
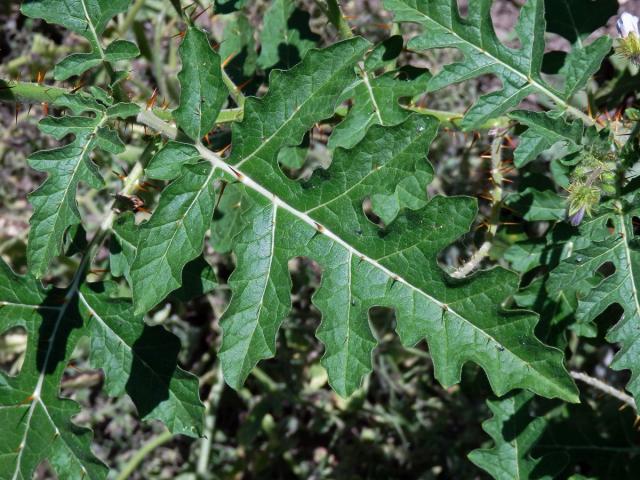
[366,220]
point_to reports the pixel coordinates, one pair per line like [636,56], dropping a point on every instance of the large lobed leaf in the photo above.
[609,272]
[363,264]
[518,69]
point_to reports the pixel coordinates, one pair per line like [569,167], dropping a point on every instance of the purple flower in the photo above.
[577,217]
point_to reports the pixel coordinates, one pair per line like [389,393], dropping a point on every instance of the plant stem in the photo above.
[141,454]
[211,407]
[453,119]
[130,18]
[494,217]
[334,13]
[234,91]
[28,92]
[605,388]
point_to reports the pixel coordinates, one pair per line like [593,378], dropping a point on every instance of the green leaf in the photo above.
[123,246]
[88,18]
[618,258]
[238,44]
[311,96]
[543,133]
[202,91]
[536,199]
[376,102]
[323,219]
[363,265]
[126,349]
[474,36]
[37,423]
[123,110]
[173,236]
[582,63]
[54,202]
[121,50]
[286,36]
[167,163]
[515,431]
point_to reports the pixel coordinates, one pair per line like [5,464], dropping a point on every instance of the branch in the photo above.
[494,217]
[28,92]
[605,388]
[335,16]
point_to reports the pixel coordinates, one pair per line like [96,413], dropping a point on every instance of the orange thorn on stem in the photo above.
[226,61]
[152,101]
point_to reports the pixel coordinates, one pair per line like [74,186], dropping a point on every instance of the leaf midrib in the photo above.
[92,29]
[72,181]
[279,203]
[527,78]
[627,252]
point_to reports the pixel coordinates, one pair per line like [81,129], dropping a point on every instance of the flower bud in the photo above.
[577,217]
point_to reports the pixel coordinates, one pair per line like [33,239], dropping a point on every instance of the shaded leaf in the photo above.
[286,36]
[515,432]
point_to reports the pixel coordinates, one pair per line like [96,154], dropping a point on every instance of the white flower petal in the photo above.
[628,23]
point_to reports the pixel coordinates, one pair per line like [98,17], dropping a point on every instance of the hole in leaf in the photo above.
[13,344]
[635,223]
[463,8]
[367,209]
[504,16]
[301,161]
[606,269]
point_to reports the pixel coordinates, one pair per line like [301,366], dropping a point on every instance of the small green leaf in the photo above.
[173,236]
[202,91]
[515,432]
[121,50]
[543,133]
[123,110]
[123,245]
[54,202]
[167,163]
